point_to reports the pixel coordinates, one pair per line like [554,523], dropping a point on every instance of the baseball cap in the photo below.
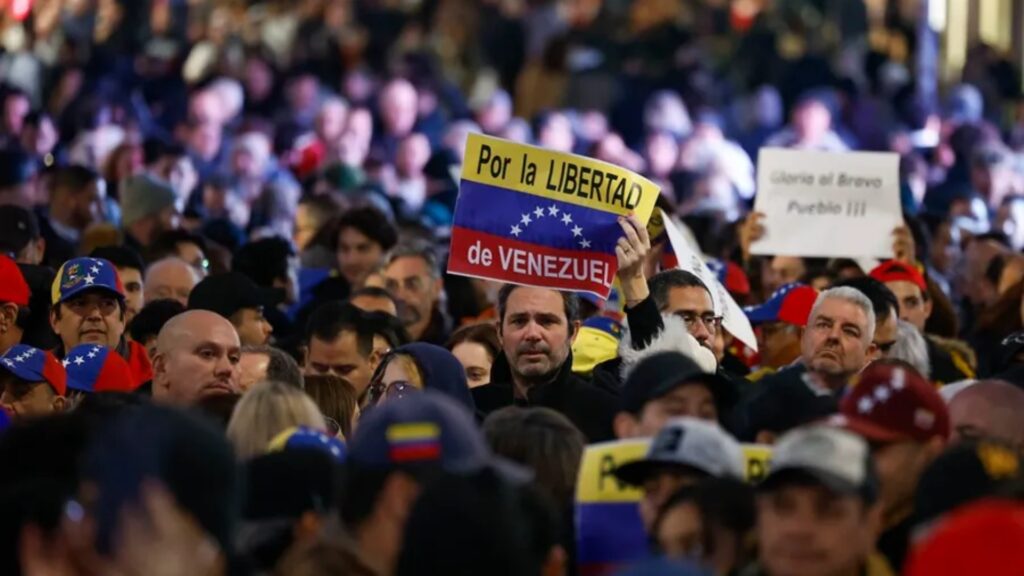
[13,287]
[93,368]
[286,484]
[981,538]
[18,227]
[306,438]
[80,274]
[230,292]
[425,429]
[889,403]
[660,373]
[664,567]
[687,443]
[838,459]
[893,271]
[791,304]
[35,365]
[142,196]
[596,341]
[964,472]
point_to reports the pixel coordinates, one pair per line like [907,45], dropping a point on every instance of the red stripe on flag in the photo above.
[413,452]
[508,260]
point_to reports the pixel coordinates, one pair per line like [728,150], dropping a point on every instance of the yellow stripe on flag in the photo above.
[412,431]
[558,176]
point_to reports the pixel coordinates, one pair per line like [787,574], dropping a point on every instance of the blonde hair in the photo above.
[267,409]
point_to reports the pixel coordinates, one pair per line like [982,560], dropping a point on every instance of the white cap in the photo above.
[688,442]
[839,459]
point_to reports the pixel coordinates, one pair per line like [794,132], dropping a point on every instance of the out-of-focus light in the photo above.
[937,14]
[20,9]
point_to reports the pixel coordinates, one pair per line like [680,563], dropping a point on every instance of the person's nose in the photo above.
[533,332]
[700,331]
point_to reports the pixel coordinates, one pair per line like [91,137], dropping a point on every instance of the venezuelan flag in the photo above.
[414,442]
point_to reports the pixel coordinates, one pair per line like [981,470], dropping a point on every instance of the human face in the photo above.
[914,308]
[305,227]
[784,270]
[973,415]
[172,280]
[693,304]
[778,344]
[400,377]
[658,488]
[252,369]
[253,329]
[93,317]
[692,399]
[133,292]
[810,531]
[899,466]
[680,534]
[836,341]
[885,335]
[476,361]
[201,365]
[28,399]
[368,303]
[412,284]
[339,357]
[535,334]
[357,255]
[88,208]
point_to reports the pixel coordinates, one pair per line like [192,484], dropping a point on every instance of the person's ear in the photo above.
[928,308]
[8,316]
[397,497]
[873,526]
[54,321]
[307,527]
[574,328]
[59,403]
[625,425]
[873,354]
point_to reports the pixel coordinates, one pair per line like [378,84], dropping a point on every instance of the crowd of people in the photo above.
[230,345]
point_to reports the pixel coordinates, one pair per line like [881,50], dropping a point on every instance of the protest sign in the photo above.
[609,532]
[733,318]
[531,216]
[832,205]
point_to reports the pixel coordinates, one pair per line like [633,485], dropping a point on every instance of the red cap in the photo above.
[980,538]
[736,281]
[890,403]
[893,271]
[13,287]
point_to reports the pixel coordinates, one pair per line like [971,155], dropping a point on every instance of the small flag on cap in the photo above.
[304,437]
[80,274]
[414,441]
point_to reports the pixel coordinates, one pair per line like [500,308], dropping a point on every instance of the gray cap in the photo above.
[688,443]
[836,458]
[143,196]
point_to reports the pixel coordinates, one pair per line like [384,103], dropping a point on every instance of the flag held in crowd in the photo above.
[531,216]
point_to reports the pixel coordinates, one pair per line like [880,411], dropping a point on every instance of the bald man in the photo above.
[171,278]
[989,409]
[197,355]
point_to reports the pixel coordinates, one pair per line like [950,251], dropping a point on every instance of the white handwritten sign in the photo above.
[822,204]
[733,318]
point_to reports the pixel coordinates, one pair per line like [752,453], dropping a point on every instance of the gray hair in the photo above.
[912,348]
[853,296]
[416,249]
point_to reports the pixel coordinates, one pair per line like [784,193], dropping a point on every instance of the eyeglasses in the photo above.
[333,427]
[710,322]
[379,391]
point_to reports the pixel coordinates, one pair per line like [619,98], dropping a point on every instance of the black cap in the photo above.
[661,373]
[16,167]
[1009,349]
[230,292]
[965,472]
[18,227]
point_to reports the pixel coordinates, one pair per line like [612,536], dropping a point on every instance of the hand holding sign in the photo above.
[827,204]
[631,251]
[531,216]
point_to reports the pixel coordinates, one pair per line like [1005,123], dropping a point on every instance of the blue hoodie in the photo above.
[440,370]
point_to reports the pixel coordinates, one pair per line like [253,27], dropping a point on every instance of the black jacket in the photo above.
[943,368]
[589,402]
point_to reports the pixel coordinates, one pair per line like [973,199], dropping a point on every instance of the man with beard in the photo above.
[148,207]
[414,279]
[835,346]
[536,327]
[197,357]
[77,195]
[88,307]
